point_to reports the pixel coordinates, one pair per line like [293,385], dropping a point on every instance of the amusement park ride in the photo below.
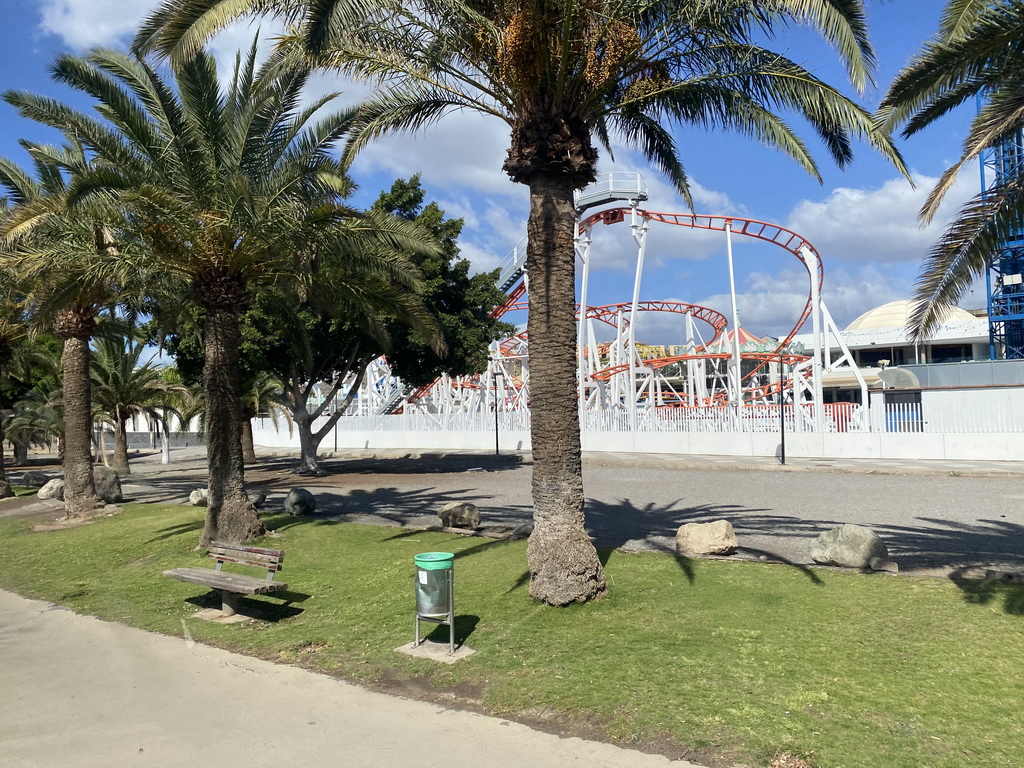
[626,381]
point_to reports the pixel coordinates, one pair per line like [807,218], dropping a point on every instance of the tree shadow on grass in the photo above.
[393,507]
[177,530]
[996,587]
[631,527]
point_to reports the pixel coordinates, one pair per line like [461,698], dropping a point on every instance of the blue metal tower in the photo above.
[1005,277]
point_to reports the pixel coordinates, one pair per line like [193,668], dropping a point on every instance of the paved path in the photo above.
[79,692]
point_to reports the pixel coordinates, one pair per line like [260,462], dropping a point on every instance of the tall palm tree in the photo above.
[227,188]
[565,75]
[123,389]
[74,268]
[978,50]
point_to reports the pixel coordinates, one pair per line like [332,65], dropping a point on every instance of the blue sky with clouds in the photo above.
[862,220]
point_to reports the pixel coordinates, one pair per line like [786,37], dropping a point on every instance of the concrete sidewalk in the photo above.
[82,692]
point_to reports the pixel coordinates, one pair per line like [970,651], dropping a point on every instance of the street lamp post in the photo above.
[782,410]
[497,375]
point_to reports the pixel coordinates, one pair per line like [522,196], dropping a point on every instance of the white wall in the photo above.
[880,445]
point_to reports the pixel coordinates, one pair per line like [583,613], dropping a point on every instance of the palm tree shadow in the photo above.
[628,526]
[390,506]
[994,587]
[176,530]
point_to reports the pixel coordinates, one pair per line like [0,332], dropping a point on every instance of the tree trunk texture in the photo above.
[230,516]
[5,485]
[6,354]
[80,499]
[21,454]
[120,459]
[308,463]
[564,566]
[248,447]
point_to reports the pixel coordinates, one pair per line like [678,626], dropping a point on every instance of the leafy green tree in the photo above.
[977,51]
[462,303]
[228,189]
[566,76]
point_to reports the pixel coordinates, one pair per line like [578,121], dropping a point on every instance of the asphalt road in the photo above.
[930,522]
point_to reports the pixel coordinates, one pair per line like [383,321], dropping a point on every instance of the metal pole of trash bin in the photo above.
[435,592]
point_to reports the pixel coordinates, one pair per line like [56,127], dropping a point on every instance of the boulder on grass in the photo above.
[34,479]
[108,485]
[717,538]
[198,497]
[460,514]
[299,501]
[54,489]
[851,546]
[257,498]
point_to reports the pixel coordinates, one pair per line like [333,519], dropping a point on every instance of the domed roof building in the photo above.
[896,314]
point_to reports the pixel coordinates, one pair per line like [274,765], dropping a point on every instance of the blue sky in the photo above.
[862,220]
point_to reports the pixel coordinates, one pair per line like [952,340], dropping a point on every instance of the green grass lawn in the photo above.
[735,659]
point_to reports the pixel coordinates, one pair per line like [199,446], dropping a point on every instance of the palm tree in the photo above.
[228,189]
[976,52]
[261,394]
[122,389]
[563,75]
[74,269]
[14,330]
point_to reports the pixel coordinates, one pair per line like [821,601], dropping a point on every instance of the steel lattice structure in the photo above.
[624,376]
[1001,162]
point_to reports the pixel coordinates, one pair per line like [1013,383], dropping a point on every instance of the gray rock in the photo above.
[716,538]
[54,489]
[34,479]
[851,546]
[299,501]
[257,498]
[198,497]
[108,485]
[523,531]
[460,514]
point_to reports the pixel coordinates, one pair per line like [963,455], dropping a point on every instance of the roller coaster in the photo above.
[714,366]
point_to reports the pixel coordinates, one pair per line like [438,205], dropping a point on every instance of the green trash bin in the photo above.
[433,578]
[435,592]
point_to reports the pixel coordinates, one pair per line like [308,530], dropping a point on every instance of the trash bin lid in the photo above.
[435,561]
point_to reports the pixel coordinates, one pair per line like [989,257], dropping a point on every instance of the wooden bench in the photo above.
[232,585]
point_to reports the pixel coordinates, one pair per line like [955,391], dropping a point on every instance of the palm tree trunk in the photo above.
[230,516]
[5,485]
[564,566]
[80,499]
[120,460]
[248,447]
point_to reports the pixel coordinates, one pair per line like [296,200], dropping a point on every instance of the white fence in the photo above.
[950,424]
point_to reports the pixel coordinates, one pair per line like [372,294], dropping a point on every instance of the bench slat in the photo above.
[232,582]
[255,557]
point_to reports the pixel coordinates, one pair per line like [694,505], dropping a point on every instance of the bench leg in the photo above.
[228,602]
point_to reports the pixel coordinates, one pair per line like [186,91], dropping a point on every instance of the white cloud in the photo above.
[87,23]
[464,152]
[878,225]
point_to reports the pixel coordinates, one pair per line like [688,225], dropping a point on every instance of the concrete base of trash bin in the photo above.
[435,651]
